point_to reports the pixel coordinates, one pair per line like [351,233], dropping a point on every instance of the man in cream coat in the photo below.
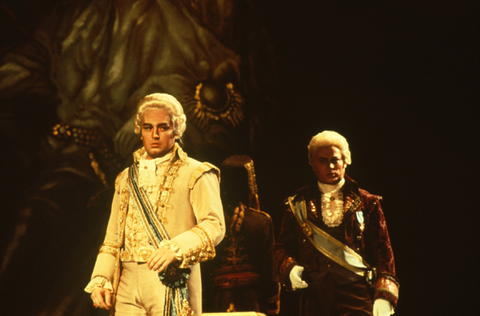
[166,217]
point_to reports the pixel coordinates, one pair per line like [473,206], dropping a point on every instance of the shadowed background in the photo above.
[400,81]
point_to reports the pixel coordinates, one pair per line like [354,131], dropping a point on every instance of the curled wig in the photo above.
[162,101]
[329,138]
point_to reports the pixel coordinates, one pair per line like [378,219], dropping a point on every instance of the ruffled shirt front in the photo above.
[137,246]
[332,203]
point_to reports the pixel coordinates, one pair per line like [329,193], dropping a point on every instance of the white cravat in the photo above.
[148,170]
[149,177]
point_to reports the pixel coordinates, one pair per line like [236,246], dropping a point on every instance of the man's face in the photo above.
[328,165]
[157,133]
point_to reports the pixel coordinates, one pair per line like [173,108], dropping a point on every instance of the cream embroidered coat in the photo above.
[194,221]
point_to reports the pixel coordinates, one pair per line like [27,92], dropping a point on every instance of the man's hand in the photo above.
[296,278]
[102,298]
[382,307]
[160,259]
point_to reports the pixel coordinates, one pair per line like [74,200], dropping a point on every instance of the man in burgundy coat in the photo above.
[333,248]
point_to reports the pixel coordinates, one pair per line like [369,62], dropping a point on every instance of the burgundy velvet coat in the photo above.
[370,240]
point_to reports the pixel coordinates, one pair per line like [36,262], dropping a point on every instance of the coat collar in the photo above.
[178,153]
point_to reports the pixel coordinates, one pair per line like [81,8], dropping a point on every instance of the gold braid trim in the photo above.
[252,185]
[167,307]
[181,306]
[125,196]
[166,188]
[201,253]
[186,310]
[178,301]
[109,248]
[387,283]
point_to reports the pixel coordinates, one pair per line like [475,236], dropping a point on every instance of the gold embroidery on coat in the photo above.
[202,253]
[352,203]
[125,197]
[109,248]
[166,189]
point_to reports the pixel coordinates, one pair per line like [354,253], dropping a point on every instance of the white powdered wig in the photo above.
[329,138]
[162,101]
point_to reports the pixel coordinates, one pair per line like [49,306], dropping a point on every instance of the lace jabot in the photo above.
[332,203]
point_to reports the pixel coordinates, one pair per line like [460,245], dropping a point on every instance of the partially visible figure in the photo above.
[334,247]
[241,278]
[166,217]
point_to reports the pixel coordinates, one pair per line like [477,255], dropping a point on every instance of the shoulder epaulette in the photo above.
[200,170]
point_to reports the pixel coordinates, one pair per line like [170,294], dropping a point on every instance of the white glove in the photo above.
[296,278]
[382,307]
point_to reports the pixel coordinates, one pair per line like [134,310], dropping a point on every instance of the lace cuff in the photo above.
[98,282]
[173,247]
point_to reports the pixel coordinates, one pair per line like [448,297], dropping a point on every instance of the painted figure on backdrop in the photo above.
[334,248]
[166,218]
[242,276]
[68,95]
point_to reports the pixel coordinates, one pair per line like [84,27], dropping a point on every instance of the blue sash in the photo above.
[174,278]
